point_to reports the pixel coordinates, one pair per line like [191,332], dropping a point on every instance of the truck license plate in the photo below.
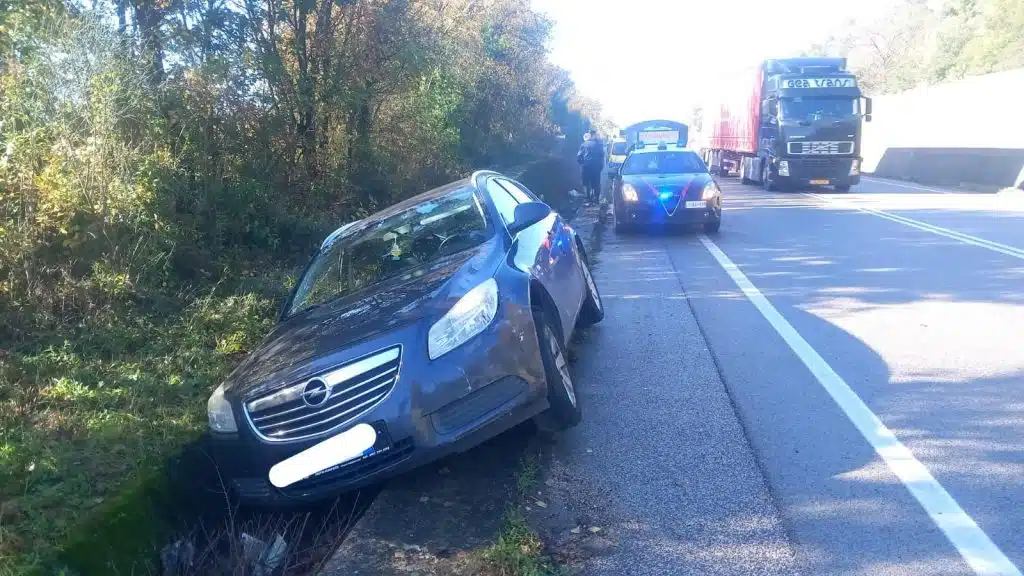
[822,182]
[696,204]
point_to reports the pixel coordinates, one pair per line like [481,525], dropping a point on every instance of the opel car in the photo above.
[417,332]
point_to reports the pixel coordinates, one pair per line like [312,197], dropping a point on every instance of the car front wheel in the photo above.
[564,410]
[593,308]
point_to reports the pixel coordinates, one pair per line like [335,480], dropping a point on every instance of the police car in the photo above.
[665,185]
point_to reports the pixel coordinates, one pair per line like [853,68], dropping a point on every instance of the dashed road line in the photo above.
[973,544]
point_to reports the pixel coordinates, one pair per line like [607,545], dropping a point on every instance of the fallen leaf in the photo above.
[594,529]
[541,504]
[575,530]
[425,499]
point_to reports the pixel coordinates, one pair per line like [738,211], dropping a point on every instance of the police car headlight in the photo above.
[629,193]
[711,190]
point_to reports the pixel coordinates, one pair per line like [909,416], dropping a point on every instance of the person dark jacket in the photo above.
[591,154]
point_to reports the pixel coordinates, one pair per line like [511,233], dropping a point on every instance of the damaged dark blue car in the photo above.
[422,330]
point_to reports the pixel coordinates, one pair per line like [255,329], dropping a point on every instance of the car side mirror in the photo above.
[867,117]
[527,214]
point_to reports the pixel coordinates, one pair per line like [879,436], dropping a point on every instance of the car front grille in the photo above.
[327,401]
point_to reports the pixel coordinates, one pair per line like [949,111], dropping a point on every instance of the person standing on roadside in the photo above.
[591,159]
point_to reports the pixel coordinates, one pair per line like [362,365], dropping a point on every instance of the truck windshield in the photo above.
[664,163]
[618,148]
[816,108]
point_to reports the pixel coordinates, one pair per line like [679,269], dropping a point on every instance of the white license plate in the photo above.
[696,204]
[348,445]
[821,182]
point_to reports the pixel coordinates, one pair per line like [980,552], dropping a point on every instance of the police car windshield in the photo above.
[674,162]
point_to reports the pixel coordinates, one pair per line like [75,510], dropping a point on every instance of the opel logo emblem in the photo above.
[315,393]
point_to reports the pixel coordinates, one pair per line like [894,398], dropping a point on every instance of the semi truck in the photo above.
[789,124]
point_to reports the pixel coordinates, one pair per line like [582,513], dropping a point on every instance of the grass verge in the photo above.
[92,414]
[519,551]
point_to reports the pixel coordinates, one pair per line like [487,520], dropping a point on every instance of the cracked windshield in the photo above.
[511,287]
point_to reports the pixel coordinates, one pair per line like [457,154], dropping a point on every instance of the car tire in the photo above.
[713,226]
[593,308]
[564,408]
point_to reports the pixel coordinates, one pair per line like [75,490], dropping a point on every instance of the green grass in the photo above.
[89,419]
[519,550]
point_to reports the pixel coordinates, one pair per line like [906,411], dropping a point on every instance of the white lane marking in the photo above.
[953,234]
[902,185]
[983,556]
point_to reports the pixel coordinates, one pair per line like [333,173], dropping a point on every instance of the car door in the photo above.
[555,256]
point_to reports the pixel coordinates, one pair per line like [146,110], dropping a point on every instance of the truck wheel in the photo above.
[766,179]
[743,173]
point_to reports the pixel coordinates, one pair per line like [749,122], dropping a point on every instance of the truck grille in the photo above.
[327,401]
[819,167]
[820,148]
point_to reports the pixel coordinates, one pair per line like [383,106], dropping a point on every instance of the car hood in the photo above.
[313,341]
[652,186]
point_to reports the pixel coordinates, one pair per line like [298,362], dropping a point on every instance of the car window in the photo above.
[619,148]
[399,243]
[503,201]
[675,162]
[521,194]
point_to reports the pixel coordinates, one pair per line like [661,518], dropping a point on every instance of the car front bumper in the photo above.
[651,212]
[486,386]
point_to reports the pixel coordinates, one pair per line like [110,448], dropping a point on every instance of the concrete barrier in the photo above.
[970,131]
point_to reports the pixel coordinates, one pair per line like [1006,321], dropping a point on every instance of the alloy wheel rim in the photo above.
[563,370]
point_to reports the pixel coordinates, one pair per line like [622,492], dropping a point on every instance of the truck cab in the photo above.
[810,125]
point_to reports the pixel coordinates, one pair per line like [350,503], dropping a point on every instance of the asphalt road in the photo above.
[834,384]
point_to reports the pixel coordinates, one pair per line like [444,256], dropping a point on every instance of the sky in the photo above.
[646,59]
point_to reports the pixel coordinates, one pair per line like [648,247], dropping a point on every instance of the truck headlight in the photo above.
[783,168]
[219,413]
[629,193]
[470,315]
[855,167]
[711,190]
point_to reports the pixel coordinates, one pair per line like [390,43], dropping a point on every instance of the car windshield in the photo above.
[680,162]
[808,109]
[373,253]
[619,148]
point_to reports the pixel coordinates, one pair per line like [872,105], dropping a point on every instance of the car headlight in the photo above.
[855,167]
[711,190]
[629,193]
[470,315]
[783,168]
[218,411]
